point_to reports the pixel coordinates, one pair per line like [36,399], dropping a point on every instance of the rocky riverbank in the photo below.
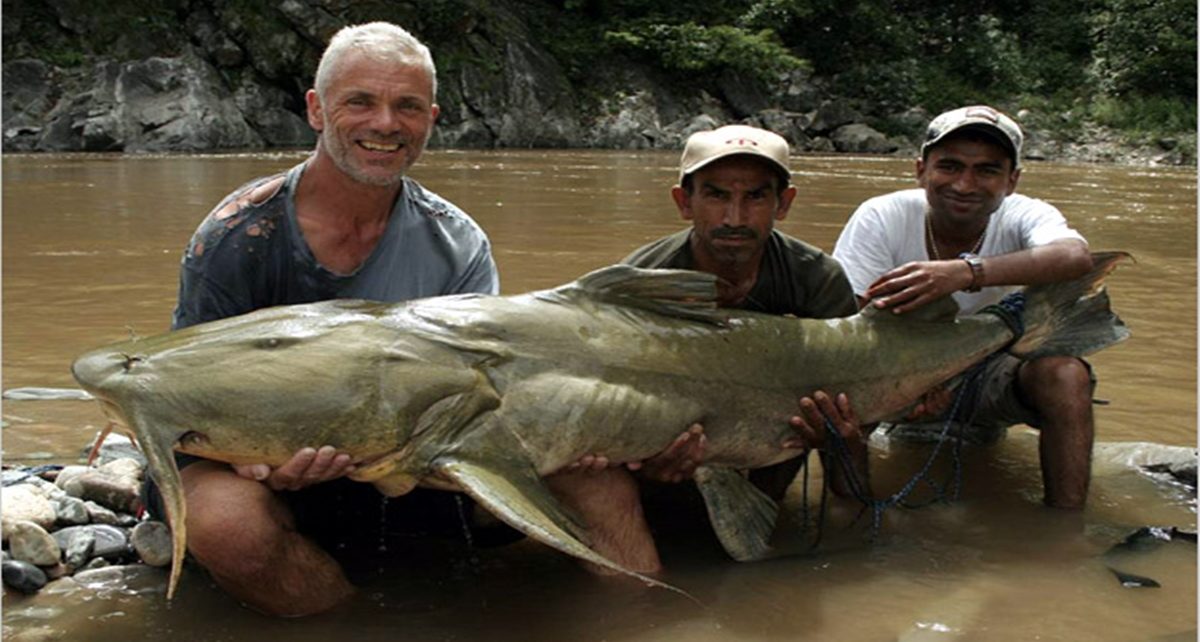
[216,76]
[79,523]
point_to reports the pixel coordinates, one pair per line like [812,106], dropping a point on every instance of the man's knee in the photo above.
[615,486]
[1057,378]
[231,518]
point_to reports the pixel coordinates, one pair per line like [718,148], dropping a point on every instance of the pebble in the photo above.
[56,571]
[98,514]
[46,394]
[68,473]
[24,502]
[131,577]
[14,476]
[71,511]
[106,488]
[31,543]
[111,542]
[97,562]
[125,468]
[23,576]
[152,541]
[79,547]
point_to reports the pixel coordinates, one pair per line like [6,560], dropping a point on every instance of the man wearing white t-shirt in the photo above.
[965,233]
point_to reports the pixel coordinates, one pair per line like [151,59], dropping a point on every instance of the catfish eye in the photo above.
[273,343]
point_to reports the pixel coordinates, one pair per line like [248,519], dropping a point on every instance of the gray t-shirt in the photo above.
[257,257]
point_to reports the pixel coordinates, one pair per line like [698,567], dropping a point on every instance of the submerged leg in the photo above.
[609,504]
[1060,389]
[244,535]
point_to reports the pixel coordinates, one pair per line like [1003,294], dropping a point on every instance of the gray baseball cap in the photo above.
[981,118]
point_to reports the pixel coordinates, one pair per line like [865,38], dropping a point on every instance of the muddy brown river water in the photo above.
[91,246]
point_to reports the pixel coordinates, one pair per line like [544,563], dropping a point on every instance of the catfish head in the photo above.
[257,387]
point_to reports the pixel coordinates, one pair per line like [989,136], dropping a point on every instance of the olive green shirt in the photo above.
[795,278]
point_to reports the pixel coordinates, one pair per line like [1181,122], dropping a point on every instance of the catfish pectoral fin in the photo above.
[742,516]
[513,492]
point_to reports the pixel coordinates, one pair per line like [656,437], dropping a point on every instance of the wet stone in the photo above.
[97,562]
[152,541]
[68,473]
[56,571]
[24,502]
[14,476]
[132,577]
[31,543]
[98,514]
[71,511]
[125,468]
[111,542]
[23,576]
[79,547]
[107,489]
[46,488]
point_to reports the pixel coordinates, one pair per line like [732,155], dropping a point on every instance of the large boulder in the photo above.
[156,104]
[30,90]
[858,138]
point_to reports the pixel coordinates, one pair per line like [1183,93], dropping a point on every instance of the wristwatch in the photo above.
[975,262]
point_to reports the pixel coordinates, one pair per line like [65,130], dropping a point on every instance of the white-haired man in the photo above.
[346,223]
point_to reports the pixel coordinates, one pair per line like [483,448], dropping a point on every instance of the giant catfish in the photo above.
[489,394]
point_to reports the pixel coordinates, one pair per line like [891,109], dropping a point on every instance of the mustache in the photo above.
[733,233]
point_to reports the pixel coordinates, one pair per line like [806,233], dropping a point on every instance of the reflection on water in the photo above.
[91,246]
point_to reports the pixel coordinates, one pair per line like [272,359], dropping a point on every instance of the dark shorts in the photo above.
[1000,404]
[343,516]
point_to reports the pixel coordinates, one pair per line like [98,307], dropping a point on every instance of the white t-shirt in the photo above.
[888,231]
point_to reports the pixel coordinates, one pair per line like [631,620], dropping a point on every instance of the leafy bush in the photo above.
[698,49]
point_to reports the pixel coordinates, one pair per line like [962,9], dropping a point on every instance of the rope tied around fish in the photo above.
[962,411]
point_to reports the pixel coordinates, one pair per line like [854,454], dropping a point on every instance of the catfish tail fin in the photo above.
[1071,317]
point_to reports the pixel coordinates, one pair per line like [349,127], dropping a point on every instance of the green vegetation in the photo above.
[1129,65]
[1125,64]
[691,49]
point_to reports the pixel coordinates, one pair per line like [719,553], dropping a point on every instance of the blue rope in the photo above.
[960,413]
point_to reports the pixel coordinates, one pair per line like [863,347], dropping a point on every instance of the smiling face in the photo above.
[966,178]
[733,204]
[374,118]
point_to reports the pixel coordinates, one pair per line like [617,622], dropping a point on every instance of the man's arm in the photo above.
[915,284]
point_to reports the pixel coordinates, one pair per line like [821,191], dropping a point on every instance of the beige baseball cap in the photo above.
[982,118]
[707,146]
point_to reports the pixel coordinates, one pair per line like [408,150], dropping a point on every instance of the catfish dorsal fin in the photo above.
[679,293]
[943,309]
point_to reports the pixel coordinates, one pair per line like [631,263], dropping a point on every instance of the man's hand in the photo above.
[934,404]
[307,467]
[674,464]
[915,284]
[810,423]
[678,461]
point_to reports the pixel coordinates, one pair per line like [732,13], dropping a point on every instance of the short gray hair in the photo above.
[380,40]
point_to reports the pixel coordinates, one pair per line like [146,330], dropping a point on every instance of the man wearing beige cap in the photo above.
[734,183]
[965,232]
